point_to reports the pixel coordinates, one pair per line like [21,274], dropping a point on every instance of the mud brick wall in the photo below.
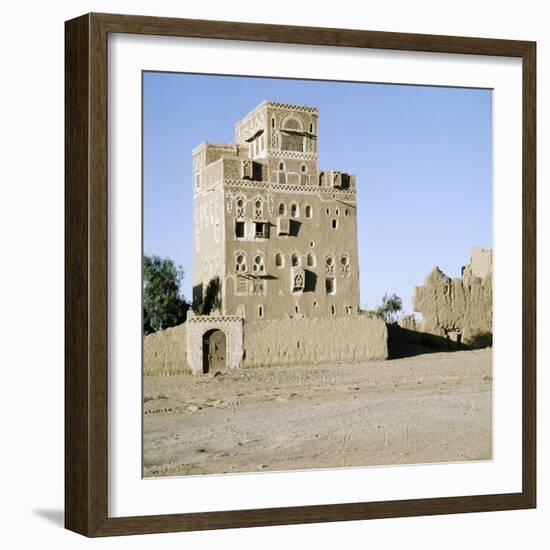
[314,341]
[164,352]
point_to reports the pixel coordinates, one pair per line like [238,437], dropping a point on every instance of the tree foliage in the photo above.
[163,304]
[389,308]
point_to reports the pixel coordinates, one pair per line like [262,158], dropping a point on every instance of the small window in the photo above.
[273,122]
[330,285]
[328,211]
[303,168]
[310,260]
[258,204]
[282,209]
[260,230]
[337,211]
[296,309]
[309,211]
[258,264]
[240,264]
[333,309]
[239,230]
[346,212]
[197,181]
[261,311]
[312,244]
[279,260]
[295,260]
[335,224]
[344,260]
[330,261]
[240,203]
[281,165]
[311,128]
[294,212]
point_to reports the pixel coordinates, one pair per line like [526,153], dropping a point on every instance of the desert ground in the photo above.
[434,407]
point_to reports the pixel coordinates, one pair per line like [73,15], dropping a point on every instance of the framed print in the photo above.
[300,275]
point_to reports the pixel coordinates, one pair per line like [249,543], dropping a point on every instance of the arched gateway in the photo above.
[214,351]
[214,343]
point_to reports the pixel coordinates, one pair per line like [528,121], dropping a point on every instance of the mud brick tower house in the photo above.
[274,235]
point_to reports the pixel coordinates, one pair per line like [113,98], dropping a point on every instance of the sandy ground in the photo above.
[429,408]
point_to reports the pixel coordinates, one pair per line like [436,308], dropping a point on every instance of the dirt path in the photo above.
[429,408]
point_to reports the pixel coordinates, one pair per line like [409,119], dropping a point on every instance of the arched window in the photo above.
[273,122]
[346,212]
[282,209]
[258,266]
[258,209]
[240,207]
[304,178]
[240,263]
[279,260]
[329,265]
[308,211]
[294,211]
[310,260]
[282,173]
[295,260]
[344,264]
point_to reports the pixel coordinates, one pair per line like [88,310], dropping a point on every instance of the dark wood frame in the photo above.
[86,274]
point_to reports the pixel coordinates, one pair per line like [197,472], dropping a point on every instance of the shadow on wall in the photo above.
[403,342]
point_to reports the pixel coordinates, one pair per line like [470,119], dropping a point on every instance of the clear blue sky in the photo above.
[422,156]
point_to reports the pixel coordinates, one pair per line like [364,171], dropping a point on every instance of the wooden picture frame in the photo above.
[86,282]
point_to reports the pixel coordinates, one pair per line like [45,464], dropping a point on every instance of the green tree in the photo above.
[163,304]
[390,307]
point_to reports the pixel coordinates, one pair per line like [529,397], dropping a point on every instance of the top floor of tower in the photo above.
[281,130]
[275,144]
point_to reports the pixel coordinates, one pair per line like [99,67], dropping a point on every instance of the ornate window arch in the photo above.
[240,262]
[329,264]
[344,264]
[292,122]
[258,266]
[279,260]
[240,203]
[258,208]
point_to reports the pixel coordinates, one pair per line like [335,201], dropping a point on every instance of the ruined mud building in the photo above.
[459,310]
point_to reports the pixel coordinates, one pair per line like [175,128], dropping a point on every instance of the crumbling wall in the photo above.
[314,341]
[164,352]
[460,310]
